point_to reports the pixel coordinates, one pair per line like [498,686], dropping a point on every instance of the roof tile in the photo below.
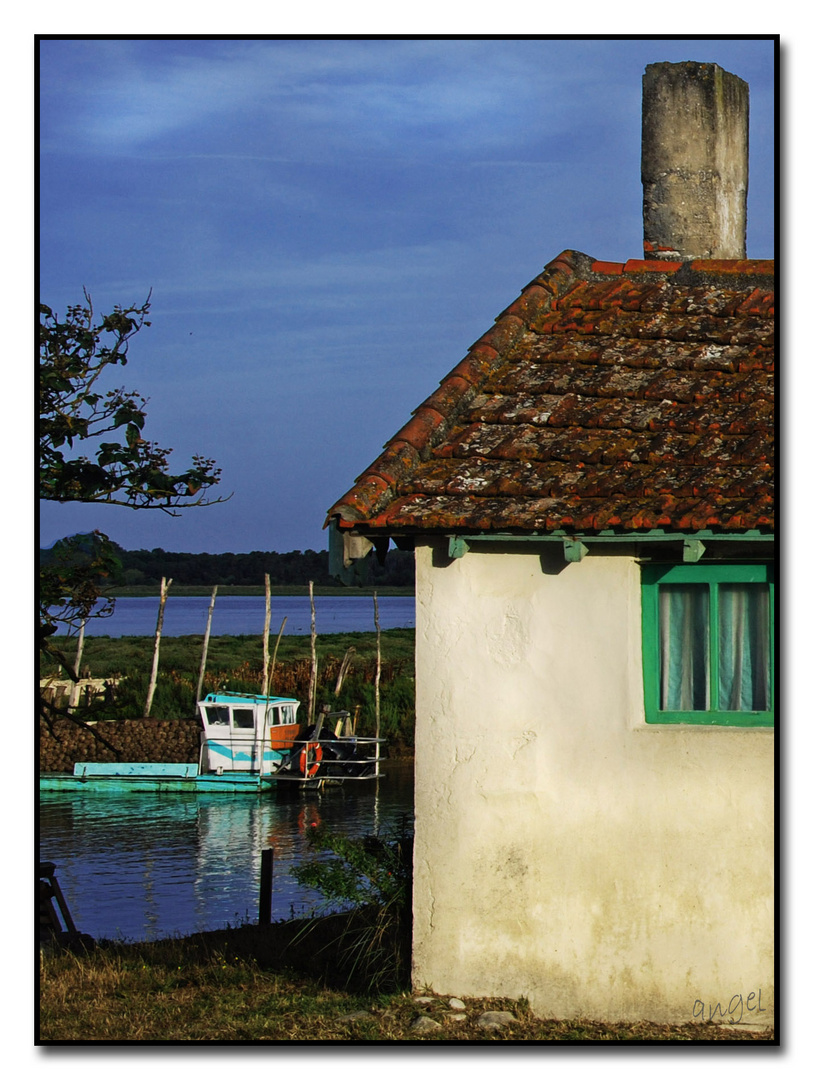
[626,396]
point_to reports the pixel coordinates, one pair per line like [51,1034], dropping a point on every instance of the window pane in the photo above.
[217,714]
[243,718]
[684,647]
[743,647]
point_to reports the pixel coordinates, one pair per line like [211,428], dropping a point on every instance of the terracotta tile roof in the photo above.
[623,396]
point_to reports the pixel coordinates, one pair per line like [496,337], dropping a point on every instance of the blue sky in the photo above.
[326,226]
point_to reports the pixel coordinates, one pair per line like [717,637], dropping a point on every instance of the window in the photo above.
[708,644]
[286,715]
[217,714]
[243,718]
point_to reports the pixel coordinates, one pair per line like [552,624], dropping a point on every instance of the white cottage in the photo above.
[589,498]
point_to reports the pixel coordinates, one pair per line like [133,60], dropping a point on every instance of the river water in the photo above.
[150,866]
[136,616]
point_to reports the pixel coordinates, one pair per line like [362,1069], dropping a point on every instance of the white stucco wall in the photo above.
[565,851]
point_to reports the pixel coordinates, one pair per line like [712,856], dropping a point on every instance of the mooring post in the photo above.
[266,870]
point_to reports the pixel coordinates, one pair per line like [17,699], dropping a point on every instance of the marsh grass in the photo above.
[107,656]
[236,663]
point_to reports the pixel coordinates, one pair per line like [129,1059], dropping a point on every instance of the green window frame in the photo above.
[708,632]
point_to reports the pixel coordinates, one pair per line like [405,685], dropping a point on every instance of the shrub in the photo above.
[373,875]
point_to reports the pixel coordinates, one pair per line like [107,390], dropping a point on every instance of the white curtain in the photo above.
[684,651]
[742,642]
[743,648]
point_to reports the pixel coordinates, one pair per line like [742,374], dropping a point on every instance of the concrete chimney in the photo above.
[695,162]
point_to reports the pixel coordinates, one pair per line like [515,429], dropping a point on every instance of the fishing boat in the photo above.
[262,736]
[249,742]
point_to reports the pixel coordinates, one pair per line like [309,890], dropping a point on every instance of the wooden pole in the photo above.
[378,672]
[266,878]
[74,698]
[312,685]
[276,647]
[165,588]
[344,668]
[199,692]
[266,626]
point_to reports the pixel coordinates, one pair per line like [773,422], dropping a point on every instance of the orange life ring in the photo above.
[315,750]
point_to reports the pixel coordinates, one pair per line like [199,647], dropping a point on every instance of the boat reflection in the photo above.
[153,865]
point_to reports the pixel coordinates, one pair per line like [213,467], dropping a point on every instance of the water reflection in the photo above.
[147,866]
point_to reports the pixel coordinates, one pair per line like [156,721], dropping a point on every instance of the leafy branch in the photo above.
[122,468]
[130,471]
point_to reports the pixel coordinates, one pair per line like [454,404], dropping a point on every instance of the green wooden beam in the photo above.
[458,547]
[693,550]
[575,547]
[574,550]
[652,536]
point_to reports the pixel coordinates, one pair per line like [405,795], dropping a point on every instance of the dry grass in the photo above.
[239,986]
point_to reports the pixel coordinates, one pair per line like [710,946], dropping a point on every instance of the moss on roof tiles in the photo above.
[629,396]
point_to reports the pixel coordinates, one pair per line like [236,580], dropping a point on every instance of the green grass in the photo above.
[243,985]
[107,656]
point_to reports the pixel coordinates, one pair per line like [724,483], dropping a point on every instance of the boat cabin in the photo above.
[246,732]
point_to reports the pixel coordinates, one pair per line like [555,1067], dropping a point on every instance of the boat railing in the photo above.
[356,741]
[312,759]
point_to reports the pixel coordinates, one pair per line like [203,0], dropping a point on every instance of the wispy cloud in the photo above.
[130,95]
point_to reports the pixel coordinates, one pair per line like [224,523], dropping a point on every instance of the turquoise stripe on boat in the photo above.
[240,755]
[135,768]
[250,783]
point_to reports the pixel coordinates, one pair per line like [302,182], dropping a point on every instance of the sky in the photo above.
[325,226]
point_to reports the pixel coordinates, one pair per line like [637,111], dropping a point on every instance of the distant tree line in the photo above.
[229,568]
